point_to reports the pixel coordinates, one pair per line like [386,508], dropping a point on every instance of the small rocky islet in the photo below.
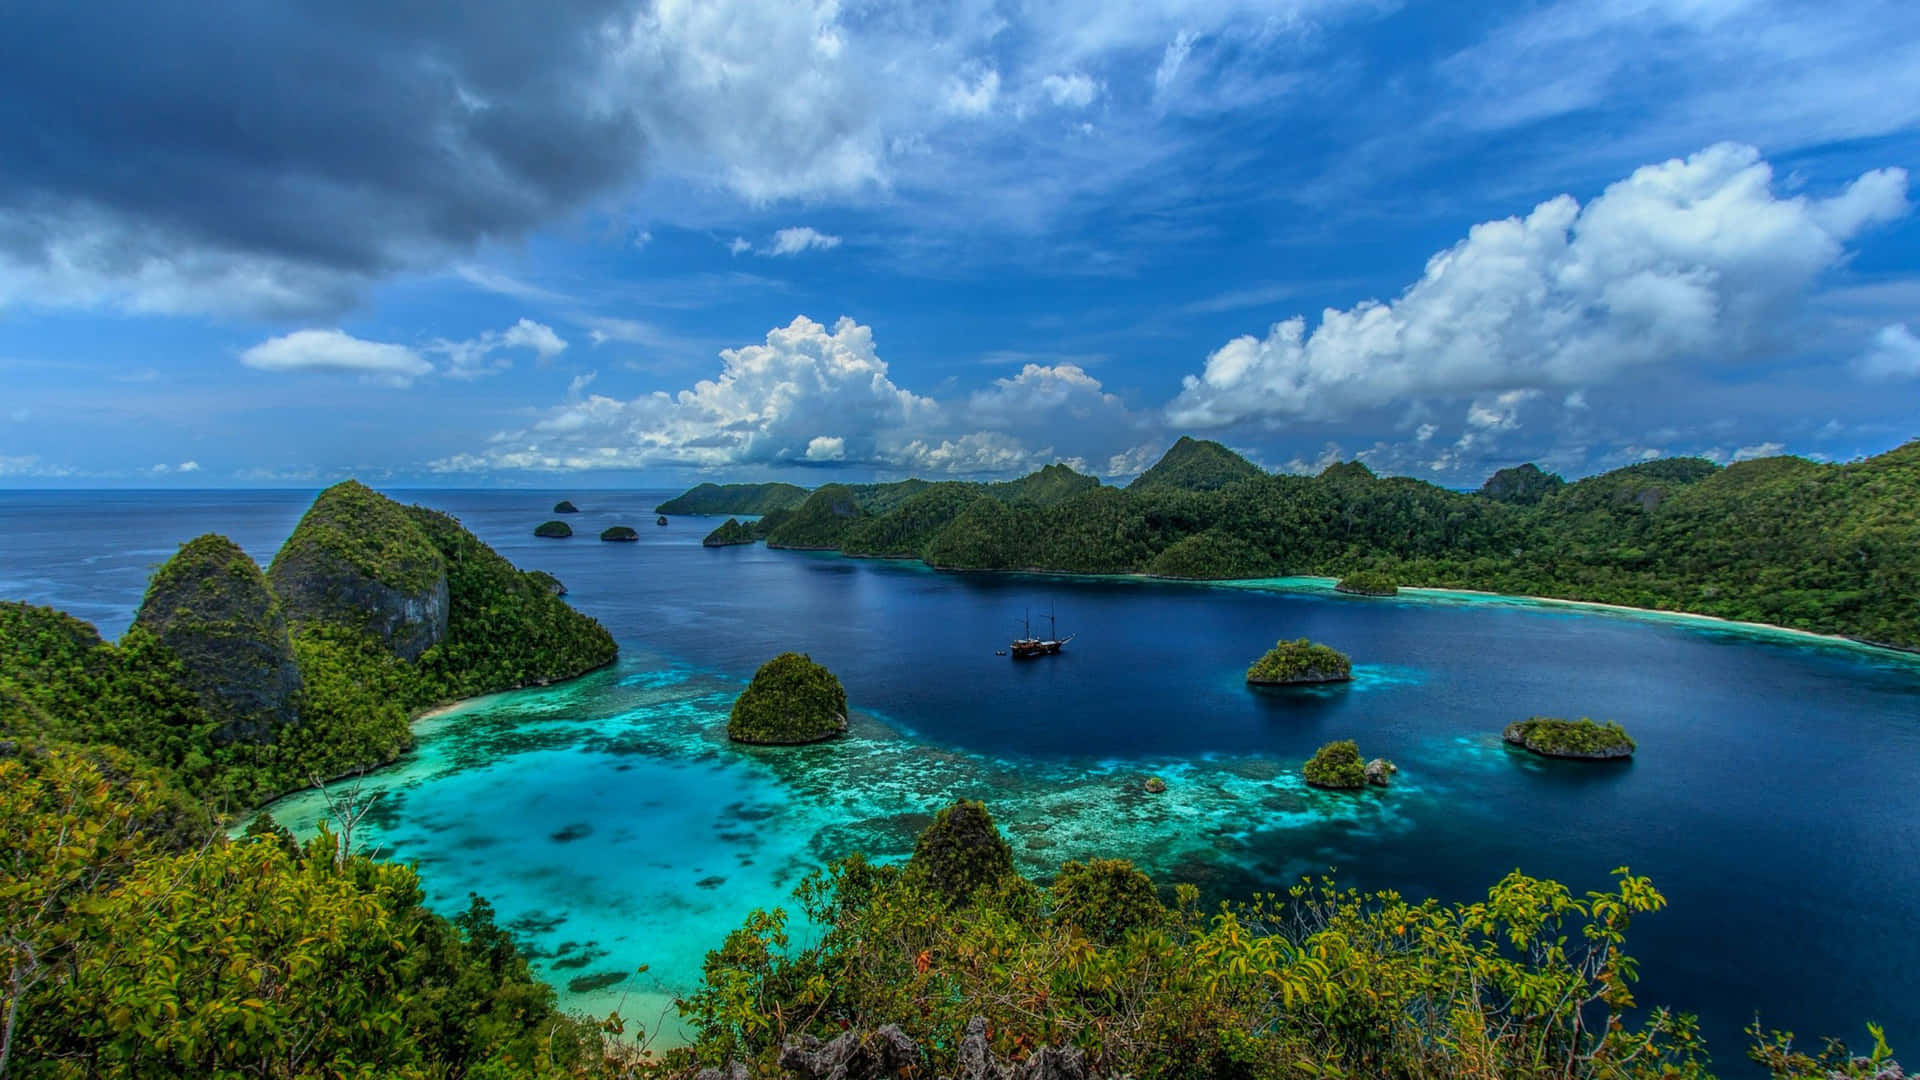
[553,530]
[1573,740]
[1300,663]
[619,534]
[791,701]
[565,507]
[1338,766]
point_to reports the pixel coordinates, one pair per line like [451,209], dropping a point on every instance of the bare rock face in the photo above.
[977,1061]
[856,1055]
[210,606]
[358,560]
[1380,772]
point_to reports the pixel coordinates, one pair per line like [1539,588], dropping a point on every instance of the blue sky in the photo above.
[596,243]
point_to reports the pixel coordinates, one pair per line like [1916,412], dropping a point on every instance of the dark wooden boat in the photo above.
[1027,647]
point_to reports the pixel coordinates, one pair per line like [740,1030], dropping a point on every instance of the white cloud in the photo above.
[335,352]
[1171,62]
[1073,90]
[1759,450]
[1683,262]
[799,239]
[30,465]
[536,336]
[739,245]
[188,467]
[813,395]
[972,93]
[1895,354]
[579,383]
[476,357]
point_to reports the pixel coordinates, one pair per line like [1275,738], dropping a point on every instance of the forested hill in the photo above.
[239,686]
[1829,548]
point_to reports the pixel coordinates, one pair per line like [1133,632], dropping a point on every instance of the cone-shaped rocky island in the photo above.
[1581,740]
[1300,663]
[565,507]
[791,701]
[730,532]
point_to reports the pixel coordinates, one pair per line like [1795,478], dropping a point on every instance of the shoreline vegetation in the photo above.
[1838,556]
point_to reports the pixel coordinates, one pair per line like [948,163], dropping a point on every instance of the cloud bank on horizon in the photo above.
[509,246]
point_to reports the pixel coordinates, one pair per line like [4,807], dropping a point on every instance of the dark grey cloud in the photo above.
[294,150]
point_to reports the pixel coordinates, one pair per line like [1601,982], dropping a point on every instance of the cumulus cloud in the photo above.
[335,352]
[800,238]
[1759,450]
[1895,354]
[739,245]
[817,396]
[972,93]
[1684,262]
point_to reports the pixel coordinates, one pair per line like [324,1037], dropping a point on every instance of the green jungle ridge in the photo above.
[141,941]
[1832,549]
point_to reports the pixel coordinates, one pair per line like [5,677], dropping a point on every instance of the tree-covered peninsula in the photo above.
[240,686]
[1367,583]
[752,499]
[1828,548]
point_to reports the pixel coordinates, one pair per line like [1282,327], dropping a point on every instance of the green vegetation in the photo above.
[1582,738]
[1050,485]
[352,527]
[565,507]
[210,606]
[141,944]
[1300,661]
[209,688]
[1368,583]
[1196,465]
[729,533]
[505,628]
[1530,983]
[1828,548]
[791,700]
[553,530]
[1336,765]
[960,854]
[821,522]
[1214,555]
[619,534]
[1155,786]
[734,499]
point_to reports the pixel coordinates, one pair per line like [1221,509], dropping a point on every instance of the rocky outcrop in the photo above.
[1380,772]
[565,507]
[210,606]
[356,560]
[619,534]
[889,1053]
[553,530]
[1155,786]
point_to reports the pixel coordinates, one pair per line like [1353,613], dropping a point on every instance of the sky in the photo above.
[598,243]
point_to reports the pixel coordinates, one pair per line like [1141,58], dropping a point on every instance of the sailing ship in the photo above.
[1026,646]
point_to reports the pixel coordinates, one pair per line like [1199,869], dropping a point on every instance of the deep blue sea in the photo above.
[1774,800]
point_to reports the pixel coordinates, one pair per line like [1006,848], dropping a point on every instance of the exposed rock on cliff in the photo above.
[211,607]
[357,561]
